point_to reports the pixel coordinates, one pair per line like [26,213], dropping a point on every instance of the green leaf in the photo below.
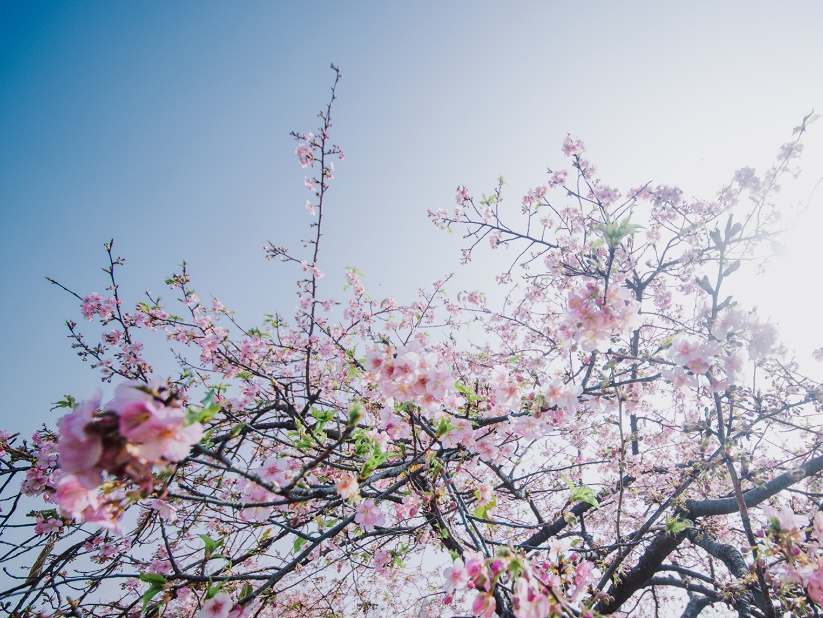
[583,493]
[149,594]
[614,233]
[377,458]
[355,415]
[674,525]
[246,590]
[152,592]
[362,444]
[516,568]
[206,412]
[322,415]
[469,393]
[153,578]
[807,120]
[299,542]
[443,427]
[213,590]
[210,546]
[206,442]
[67,402]
[482,511]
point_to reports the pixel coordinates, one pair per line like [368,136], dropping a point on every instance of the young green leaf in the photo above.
[210,546]
[582,493]
[299,542]
[675,525]
[154,579]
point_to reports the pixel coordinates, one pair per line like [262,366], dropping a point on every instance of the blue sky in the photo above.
[166,127]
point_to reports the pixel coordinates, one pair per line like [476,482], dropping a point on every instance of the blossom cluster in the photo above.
[139,429]
[275,472]
[792,546]
[411,374]
[594,317]
[540,589]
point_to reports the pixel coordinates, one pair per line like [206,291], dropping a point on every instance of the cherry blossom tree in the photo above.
[617,435]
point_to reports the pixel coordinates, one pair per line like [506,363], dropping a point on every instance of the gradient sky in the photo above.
[166,127]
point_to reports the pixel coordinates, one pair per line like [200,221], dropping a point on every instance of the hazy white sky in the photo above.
[165,126]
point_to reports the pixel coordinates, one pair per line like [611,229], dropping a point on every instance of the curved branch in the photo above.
[733,560]
[695,606]
[648,564]
[753,497]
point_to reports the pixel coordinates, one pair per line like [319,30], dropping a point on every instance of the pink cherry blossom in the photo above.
[786,521]
[46,526]
[609,359]
[347,487]
[529,600]
[153,429]
[166,511]
[456,577]
[814,584]
[219,606]
[73,498]
[78,450]
[484,605]
[369,515]
[304,155]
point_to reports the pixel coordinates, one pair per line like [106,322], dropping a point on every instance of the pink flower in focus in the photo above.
[456,577]
[45,526]
[218,606]
[275,470]
[572,146]
[369,515]
[91,304]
